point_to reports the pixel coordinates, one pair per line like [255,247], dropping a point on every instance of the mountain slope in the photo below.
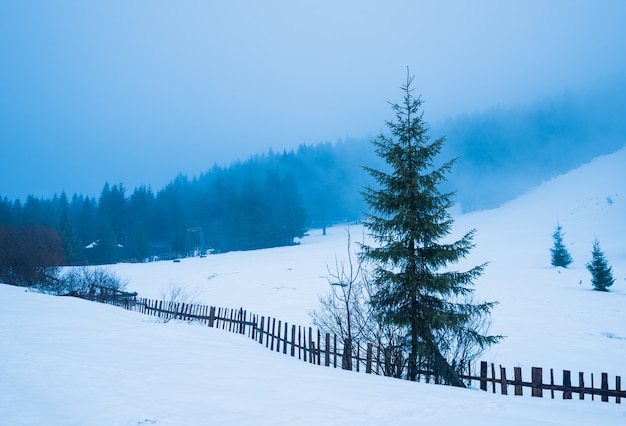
[68,361]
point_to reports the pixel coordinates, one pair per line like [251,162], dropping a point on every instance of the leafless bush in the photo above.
[77,281]
[175,295]
[346,312]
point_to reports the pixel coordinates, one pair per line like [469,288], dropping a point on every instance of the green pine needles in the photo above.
[560,255]
[414,287]
[598,267]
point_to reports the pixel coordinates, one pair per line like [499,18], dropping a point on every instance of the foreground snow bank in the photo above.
[66,361]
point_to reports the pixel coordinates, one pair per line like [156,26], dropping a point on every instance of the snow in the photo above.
[65,361]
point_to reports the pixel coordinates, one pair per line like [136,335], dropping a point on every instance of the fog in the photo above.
[137,92]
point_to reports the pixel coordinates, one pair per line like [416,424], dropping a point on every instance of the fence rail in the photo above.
[311,346]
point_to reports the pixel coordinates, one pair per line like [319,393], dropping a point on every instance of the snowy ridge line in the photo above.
[308,346]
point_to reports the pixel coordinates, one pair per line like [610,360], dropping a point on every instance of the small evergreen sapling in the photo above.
[560,255]
[601,272]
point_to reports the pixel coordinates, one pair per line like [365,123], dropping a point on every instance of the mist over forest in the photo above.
[272,198]
[503,152]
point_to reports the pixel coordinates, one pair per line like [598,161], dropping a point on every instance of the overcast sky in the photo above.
[138,91]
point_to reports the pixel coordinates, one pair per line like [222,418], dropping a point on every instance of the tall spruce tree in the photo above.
[72,246]
[408,218]
[560,255]
[598,267]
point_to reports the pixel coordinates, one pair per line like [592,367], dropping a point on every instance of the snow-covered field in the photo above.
[65,361]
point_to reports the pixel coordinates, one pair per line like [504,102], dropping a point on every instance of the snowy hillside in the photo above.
[68,361]
[551,317]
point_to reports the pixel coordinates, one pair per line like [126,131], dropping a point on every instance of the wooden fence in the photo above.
[501,381]
[108,295]
[311,346]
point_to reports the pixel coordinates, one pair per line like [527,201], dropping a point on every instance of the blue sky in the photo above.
[138,91]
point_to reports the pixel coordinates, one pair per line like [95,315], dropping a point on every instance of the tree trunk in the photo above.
[441,363]
[412,372]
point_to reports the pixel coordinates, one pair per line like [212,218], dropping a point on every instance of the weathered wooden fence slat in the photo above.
[483,375]
[567,383]
[581,384]
[285,338]
[273,332]
[311,346]
[537,381]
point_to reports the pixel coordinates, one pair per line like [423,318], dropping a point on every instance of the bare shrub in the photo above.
[346,312]
[174,296]
[79,280]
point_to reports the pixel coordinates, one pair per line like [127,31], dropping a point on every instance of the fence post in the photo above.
[327,351]
[618,385]
[503,380]
[251,332]
[552,383]
[211,316]
[334,350]
[517,372]
[605,387]
[278,336]
[304,348]
[493,378]
[567,384]
[285,342]
[273,330]
[311,349]
[592,387]
[346,357]
[483,375]
[537,381]
[293,340]
[319,348]
[300,343]
[581,384]
[368,359]
[261,330]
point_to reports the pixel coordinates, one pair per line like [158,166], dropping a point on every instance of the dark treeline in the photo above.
[267,201]
[271,199]
[221,210]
